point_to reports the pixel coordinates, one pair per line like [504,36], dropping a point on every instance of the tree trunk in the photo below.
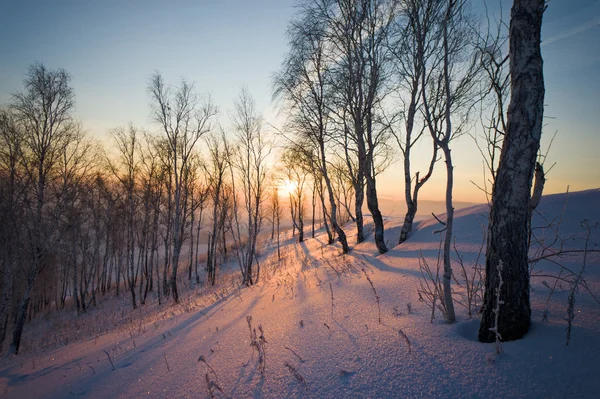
[198,228]
[373,205]
[7,294]
[447,280]
[508,227]
[314,205]
[22,311]
[340,232]
[359,199]
[324,216]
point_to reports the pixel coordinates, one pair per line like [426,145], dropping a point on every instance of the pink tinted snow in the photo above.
[312,353]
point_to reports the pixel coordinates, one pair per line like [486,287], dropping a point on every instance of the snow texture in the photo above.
[319,347]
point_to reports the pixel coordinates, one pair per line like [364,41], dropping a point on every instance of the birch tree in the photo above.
[413,44]
[511,194]
[250,162]
[447,100]
[183,120]
[358,33]
[126,170]
[216,168]
[303,83]
[12,190]
[43,110]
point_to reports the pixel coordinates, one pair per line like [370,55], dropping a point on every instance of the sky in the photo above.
[111,48]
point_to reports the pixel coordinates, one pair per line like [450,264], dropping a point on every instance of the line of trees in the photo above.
[360,72]
[80,222]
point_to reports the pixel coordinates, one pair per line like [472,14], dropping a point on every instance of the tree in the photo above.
[198,203]
[12,187]
[303,83]
[413,45]
[294,170]
[184,121]
[43,111]
[74,177]
[276,215]
[126,171]
[250,163]
[216,174]
[496,80]
[358,33]
[447,100]
[511,194]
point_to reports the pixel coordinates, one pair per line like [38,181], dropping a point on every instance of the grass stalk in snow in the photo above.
[294,352]
[375,293]
[296,374]
[167,362]
[210,384]
[430,285]
[405,337]
[258,343]
[473,281]
[110,360]
[332,305]
[571,299]
[497,308]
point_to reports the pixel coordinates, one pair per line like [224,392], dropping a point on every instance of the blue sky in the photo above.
[112,47]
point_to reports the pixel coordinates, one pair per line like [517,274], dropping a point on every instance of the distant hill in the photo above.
[397,206]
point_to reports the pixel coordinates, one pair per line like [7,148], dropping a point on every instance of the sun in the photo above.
[288,186]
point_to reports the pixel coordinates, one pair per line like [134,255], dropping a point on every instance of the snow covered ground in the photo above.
[323,336]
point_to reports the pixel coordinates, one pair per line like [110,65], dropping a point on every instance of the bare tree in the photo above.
[304,84]
[358,33]
[184,121]
[447,101]
[250,163]
[150,193]
[43,110]
[294,170]
[12,190]
[216,169]
[198,204]
[508,229]
[413,45]
[74,175]
[276,215]
[126,171]
[496,89]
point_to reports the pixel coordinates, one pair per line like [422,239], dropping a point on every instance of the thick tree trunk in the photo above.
[300,224]
[409,218]
[22,310]
[373,205]
[338,229]
[359,199]
[372,202]
[508,227]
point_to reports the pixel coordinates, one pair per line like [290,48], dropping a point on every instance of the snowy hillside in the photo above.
[319,333]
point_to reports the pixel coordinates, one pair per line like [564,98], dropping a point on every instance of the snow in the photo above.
[312,352]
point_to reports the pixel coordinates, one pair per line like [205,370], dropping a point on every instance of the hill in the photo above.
[323,325]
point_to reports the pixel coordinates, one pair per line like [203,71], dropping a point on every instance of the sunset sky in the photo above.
[112,47]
